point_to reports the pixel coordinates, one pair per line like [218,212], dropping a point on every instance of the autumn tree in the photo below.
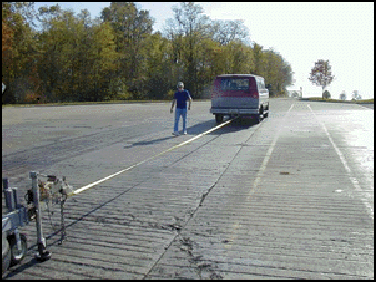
[6,50]
[209,58]
[257,66]
[18,51]
[186,30]
[238,57]
[321,74]
[131,27]
[7,32]
[46,14]
[226,31]
[157,66]
[77,58]
[285,75]
[104,61]
[273,64]
[84,62]
[56,64]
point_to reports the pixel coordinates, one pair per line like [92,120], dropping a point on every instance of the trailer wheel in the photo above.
[17,256]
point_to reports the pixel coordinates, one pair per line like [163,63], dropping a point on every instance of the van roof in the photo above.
[238,75]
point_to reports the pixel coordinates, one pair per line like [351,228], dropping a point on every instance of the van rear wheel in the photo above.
[218,118]
[257,118]
[266,115]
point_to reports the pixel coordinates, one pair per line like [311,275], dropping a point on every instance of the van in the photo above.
[239,95]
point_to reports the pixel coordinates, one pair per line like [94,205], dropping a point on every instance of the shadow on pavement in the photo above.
[19,268]
[148,142]
[234,125]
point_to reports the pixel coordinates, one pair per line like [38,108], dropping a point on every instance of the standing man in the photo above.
[181,97]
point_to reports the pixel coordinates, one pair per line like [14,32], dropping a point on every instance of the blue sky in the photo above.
[302,32]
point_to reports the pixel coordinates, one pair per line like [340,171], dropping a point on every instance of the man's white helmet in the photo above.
[180,85]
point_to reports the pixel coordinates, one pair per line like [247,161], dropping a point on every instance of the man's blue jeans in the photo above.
[183,113]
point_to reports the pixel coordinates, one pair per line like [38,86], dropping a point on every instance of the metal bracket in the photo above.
[42,254]
[17,214]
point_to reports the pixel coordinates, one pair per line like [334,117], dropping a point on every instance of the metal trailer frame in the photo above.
[19,216]
[42,254]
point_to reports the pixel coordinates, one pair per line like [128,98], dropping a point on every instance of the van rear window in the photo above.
[234,83]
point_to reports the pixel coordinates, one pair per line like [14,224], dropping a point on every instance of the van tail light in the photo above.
[254,94]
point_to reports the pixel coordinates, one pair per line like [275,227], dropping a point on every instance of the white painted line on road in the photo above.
[129,168]
[353,179]
[267,156]
[257,179]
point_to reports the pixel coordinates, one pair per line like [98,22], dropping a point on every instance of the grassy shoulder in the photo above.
[317,99]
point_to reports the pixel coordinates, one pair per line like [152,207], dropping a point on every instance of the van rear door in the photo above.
[238,93]
[216,94]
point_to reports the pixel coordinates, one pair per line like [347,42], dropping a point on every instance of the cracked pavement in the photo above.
[267,201]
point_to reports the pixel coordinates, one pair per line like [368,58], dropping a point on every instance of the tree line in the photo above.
[118,56]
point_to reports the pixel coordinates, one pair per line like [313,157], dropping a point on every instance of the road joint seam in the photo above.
[187,243]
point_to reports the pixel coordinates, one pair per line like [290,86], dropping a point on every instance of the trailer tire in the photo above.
[17,257]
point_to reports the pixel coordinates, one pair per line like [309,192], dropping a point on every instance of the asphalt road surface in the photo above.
[289,198]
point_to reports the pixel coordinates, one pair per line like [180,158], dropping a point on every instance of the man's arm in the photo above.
[173,103]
